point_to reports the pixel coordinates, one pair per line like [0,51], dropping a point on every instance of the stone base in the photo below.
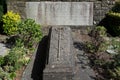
[58,73]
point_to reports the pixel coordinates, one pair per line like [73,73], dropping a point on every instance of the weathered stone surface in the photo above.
[61,59]
[61,13]
[3,49]
[58,73]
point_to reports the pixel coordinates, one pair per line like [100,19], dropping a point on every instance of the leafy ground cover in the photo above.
[104,48]
[22,37]
[104,54]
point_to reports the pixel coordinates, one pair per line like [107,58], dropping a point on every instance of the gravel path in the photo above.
[83,69]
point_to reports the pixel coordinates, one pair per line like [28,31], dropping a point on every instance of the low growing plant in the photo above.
[114,68]
[98,43]
[15,59]
[10,22]
[1,11]
[26,34]
[1,60]
[6,76]
[116,7]
[29,32]
[106,63]
[112,23]
[116,45]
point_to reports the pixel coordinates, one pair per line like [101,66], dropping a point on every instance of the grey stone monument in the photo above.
[61,58]
[60,13]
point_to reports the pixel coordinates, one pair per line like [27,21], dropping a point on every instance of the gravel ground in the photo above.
[83,69]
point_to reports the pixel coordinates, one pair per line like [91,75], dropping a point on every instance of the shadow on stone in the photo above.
[40,60]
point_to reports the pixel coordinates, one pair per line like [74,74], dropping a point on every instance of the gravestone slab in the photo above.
[60,13]
[61,58]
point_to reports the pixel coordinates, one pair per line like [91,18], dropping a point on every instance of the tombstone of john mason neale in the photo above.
[61,59]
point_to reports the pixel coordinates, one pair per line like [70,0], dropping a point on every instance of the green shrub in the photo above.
[115,71]
[112,20]
[98,43]
[1,14]
[2,8]
[26,34]
[29,32]
[15,59]
[11,59]
[114,15]
[6,76]
[115,45]
[14,54]
[10,22]
[112,23]
[1,60]
[1,11]
[116,8]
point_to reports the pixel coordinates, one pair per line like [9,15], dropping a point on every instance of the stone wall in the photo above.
[101,7]
[17,6]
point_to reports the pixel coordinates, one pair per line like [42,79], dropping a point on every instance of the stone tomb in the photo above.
[61,58]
